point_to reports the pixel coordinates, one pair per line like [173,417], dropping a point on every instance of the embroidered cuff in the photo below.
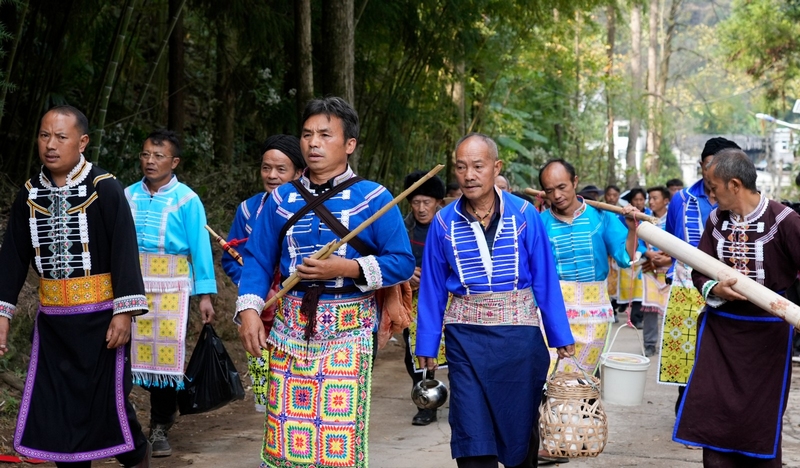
[711,299]
[207,286]
[372,273]
[7,310]
[132,303]
[247,301]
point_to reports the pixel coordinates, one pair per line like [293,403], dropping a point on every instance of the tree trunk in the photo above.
[149,81]
[305,66]
[109,78]
[611,17]
[651,157]
[175,111]
[226,98]
[632,175]
[460,100]
[338,29]
[663,73]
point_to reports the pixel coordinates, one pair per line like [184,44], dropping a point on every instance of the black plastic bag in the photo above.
[211,380]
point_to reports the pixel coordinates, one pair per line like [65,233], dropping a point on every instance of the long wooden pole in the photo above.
[225,246]
[333,246]
[600,206]
[713,268]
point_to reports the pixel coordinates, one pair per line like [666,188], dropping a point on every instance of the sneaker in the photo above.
[158,437]
[424,417]
[650,350]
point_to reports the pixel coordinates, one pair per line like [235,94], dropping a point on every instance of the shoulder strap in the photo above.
[312,202]
[335,225]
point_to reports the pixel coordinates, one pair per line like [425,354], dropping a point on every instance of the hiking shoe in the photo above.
[158,437]
[650,351]
[424,417]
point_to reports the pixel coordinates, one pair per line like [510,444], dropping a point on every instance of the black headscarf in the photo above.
[433,187]
[288,145]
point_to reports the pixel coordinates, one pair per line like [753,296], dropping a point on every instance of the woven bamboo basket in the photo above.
[572,422]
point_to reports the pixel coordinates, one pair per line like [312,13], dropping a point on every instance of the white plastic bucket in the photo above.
[624,376]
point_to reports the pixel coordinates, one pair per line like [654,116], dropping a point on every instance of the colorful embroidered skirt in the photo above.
[656,292]
[630,287]
[319,391]
[590,339]
[158,340]
[613,278]
[590,314]
[679,335]
[412,339]
[258,368]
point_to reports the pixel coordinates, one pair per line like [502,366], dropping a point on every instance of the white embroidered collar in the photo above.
[347,174]
[173,181]
[76,176]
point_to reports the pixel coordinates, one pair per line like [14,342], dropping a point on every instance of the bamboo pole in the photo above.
[108,80]
[225,245]
[601,206]
[333,246]
[713,268]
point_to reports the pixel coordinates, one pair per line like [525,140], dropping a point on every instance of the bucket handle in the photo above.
[626,325]
[589,380]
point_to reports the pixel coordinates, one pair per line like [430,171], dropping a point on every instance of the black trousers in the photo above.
[163,405]
[490,461]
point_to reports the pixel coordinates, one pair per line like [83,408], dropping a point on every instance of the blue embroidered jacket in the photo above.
[456,261]
[393,263]
[241,229]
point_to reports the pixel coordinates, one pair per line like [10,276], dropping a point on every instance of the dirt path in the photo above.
[638,435]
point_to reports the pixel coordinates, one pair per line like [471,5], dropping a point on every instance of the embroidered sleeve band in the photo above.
[7,310]
[247,301]
[133,303]
[372,273]
[711,299]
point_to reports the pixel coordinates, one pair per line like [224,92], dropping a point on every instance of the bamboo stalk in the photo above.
[109,78]
[153,68]
[601,206]
[713,268]
[225,246]
[333,246]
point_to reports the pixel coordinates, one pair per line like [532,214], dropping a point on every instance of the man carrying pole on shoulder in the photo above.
[582,238]
[320,366]
[687,214]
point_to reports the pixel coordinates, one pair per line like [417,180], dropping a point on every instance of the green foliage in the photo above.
[761,38]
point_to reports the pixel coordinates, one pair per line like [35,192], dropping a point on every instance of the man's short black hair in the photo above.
[454,186]
[633,192]
[612,187]
[80,119]
[732,163]
[673,183]
[338,107]
[158,137]
[569,167]
[664,191]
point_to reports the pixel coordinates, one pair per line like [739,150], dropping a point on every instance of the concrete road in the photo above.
[638,435]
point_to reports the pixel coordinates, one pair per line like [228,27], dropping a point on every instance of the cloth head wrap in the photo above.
[286,144]
[433,187]
[715,145]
